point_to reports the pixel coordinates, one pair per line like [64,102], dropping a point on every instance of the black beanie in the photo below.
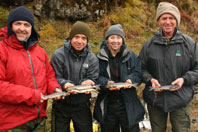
[80,28]
[19,13]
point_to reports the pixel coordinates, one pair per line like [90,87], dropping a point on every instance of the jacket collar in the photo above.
[159,38]
[103,53]
[12,41]
[68,48]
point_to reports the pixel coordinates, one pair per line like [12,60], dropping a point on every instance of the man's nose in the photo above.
[22,27]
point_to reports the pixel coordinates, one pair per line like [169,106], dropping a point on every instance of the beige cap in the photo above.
[166,7]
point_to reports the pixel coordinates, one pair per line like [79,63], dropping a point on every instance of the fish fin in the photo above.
[97,87]
[151,88]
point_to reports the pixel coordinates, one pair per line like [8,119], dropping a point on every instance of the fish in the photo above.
[121,85]
[85,90]
[54,95]
[166,87]
[84,87]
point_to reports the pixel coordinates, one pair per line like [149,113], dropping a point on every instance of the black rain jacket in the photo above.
[167,60]
[130,68]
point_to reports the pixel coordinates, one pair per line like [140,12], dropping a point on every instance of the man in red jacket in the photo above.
[25,74]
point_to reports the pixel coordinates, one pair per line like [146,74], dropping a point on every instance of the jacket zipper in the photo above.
[34,79]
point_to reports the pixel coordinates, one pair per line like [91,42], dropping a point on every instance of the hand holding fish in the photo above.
[58,90]
[179,82]
[56,95]
[42,98]
[119,85]
[88,82]
[86,88]
[112,88]
[128,81]
[67,85]
[155,84]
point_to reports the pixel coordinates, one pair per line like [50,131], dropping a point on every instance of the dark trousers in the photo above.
[179,119]
[116,119]
[62,114]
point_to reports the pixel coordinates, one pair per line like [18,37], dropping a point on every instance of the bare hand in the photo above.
[128,81]
[88,82]
[42,98]
[67,85]
[155,84]
[58,90]
[179,81]
[111,82]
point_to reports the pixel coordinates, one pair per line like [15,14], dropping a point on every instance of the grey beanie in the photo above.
[115,30]
[166,7]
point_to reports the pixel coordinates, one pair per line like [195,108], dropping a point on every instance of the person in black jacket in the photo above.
[170,57]
[74,64]
[118,108]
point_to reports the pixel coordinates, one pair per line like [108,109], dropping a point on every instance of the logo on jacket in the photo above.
[85,65]
[178,53]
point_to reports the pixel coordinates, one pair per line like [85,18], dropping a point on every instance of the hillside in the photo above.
[137,18]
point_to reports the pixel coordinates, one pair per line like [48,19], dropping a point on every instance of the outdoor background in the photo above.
[136,16]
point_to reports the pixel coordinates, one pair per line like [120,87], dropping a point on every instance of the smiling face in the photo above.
[79,42]
[22,30]
[168,23]
[114,43]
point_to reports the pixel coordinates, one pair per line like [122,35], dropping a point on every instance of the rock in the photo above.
[71,10]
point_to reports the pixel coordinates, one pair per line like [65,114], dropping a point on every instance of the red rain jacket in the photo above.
[19,97]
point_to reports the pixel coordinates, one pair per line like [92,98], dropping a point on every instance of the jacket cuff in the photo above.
[37,97]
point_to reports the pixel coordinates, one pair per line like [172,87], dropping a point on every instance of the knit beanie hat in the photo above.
[166,7]
[19,13]
[79,28]
[115,30]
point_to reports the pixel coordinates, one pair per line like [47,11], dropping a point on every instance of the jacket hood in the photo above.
[3,32]
[104,55]
[68,46]
[13,42]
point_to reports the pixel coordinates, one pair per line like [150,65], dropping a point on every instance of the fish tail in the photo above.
[97,87]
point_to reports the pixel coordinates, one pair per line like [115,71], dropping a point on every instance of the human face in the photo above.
[79,42]
[22,30]
[168,24]
[114,43]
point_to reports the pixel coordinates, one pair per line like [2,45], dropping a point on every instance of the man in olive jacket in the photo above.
[170,57]
[74,64]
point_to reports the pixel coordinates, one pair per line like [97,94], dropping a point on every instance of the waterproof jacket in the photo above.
[24,75]
[167,60]
[130,68]
[68,65]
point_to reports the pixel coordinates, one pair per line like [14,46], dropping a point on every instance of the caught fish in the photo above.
[121,85]
[85,90]
[84,87]
[54,95]
[166,87]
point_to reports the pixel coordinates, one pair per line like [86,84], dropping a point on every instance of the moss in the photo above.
[3,17]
